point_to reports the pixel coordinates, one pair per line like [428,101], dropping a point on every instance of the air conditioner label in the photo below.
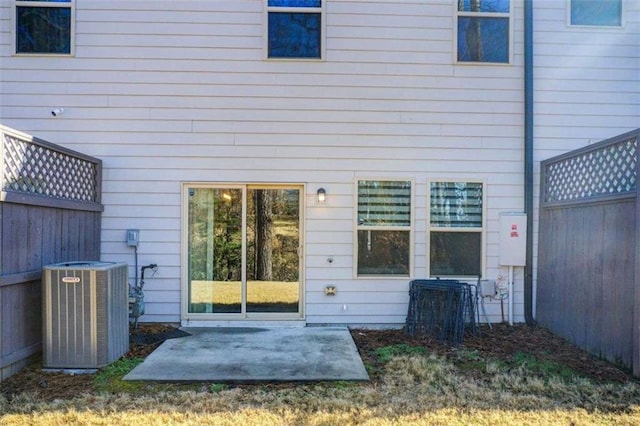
[71,280]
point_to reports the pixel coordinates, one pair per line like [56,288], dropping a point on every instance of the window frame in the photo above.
[71,5]
[482,230]
[282,9]
[510,17]
[605,27]
[409,229]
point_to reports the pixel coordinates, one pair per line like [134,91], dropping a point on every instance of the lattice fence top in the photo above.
[606,170]
[31,168]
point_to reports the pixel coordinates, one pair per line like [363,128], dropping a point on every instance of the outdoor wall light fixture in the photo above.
[322,195]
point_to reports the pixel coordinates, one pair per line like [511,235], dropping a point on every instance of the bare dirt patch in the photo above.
[503,343]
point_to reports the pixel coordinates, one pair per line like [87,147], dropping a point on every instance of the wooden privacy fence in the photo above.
[588,288]
[50,212]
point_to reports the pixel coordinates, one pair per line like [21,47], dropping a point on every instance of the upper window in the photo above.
[44,26]
[456,228]
[602,13]
[384,228]
[483,31]
[295,29]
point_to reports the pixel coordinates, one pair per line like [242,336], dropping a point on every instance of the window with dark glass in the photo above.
[294,29]
[603,13]
[483,31]
[456,228]
[44,26]
[384,228]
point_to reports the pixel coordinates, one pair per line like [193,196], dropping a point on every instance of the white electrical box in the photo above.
[513,239]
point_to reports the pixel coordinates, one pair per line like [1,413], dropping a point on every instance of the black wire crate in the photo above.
[440,308]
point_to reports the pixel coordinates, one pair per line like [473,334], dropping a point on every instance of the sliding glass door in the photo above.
[244,251]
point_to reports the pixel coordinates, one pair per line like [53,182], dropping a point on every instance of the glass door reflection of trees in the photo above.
[215,250]
[266,278]
[273,235]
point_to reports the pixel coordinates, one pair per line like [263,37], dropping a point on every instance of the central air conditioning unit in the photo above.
[85,314]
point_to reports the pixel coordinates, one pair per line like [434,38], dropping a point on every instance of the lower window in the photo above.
[456,228]
[456,253]
[383,253]
[383,228]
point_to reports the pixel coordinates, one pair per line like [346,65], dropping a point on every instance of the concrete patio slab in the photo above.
[249,355]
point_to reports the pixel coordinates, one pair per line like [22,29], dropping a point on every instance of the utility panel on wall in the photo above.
[513,239]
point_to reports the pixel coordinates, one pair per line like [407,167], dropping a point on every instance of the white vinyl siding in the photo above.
[166,92]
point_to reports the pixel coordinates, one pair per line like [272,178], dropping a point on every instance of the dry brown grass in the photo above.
[414,389]
[257,416]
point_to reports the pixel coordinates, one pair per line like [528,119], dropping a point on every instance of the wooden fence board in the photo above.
[592,275]
[610,291]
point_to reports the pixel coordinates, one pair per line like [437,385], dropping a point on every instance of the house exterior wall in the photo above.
[586,82]
[168,92]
